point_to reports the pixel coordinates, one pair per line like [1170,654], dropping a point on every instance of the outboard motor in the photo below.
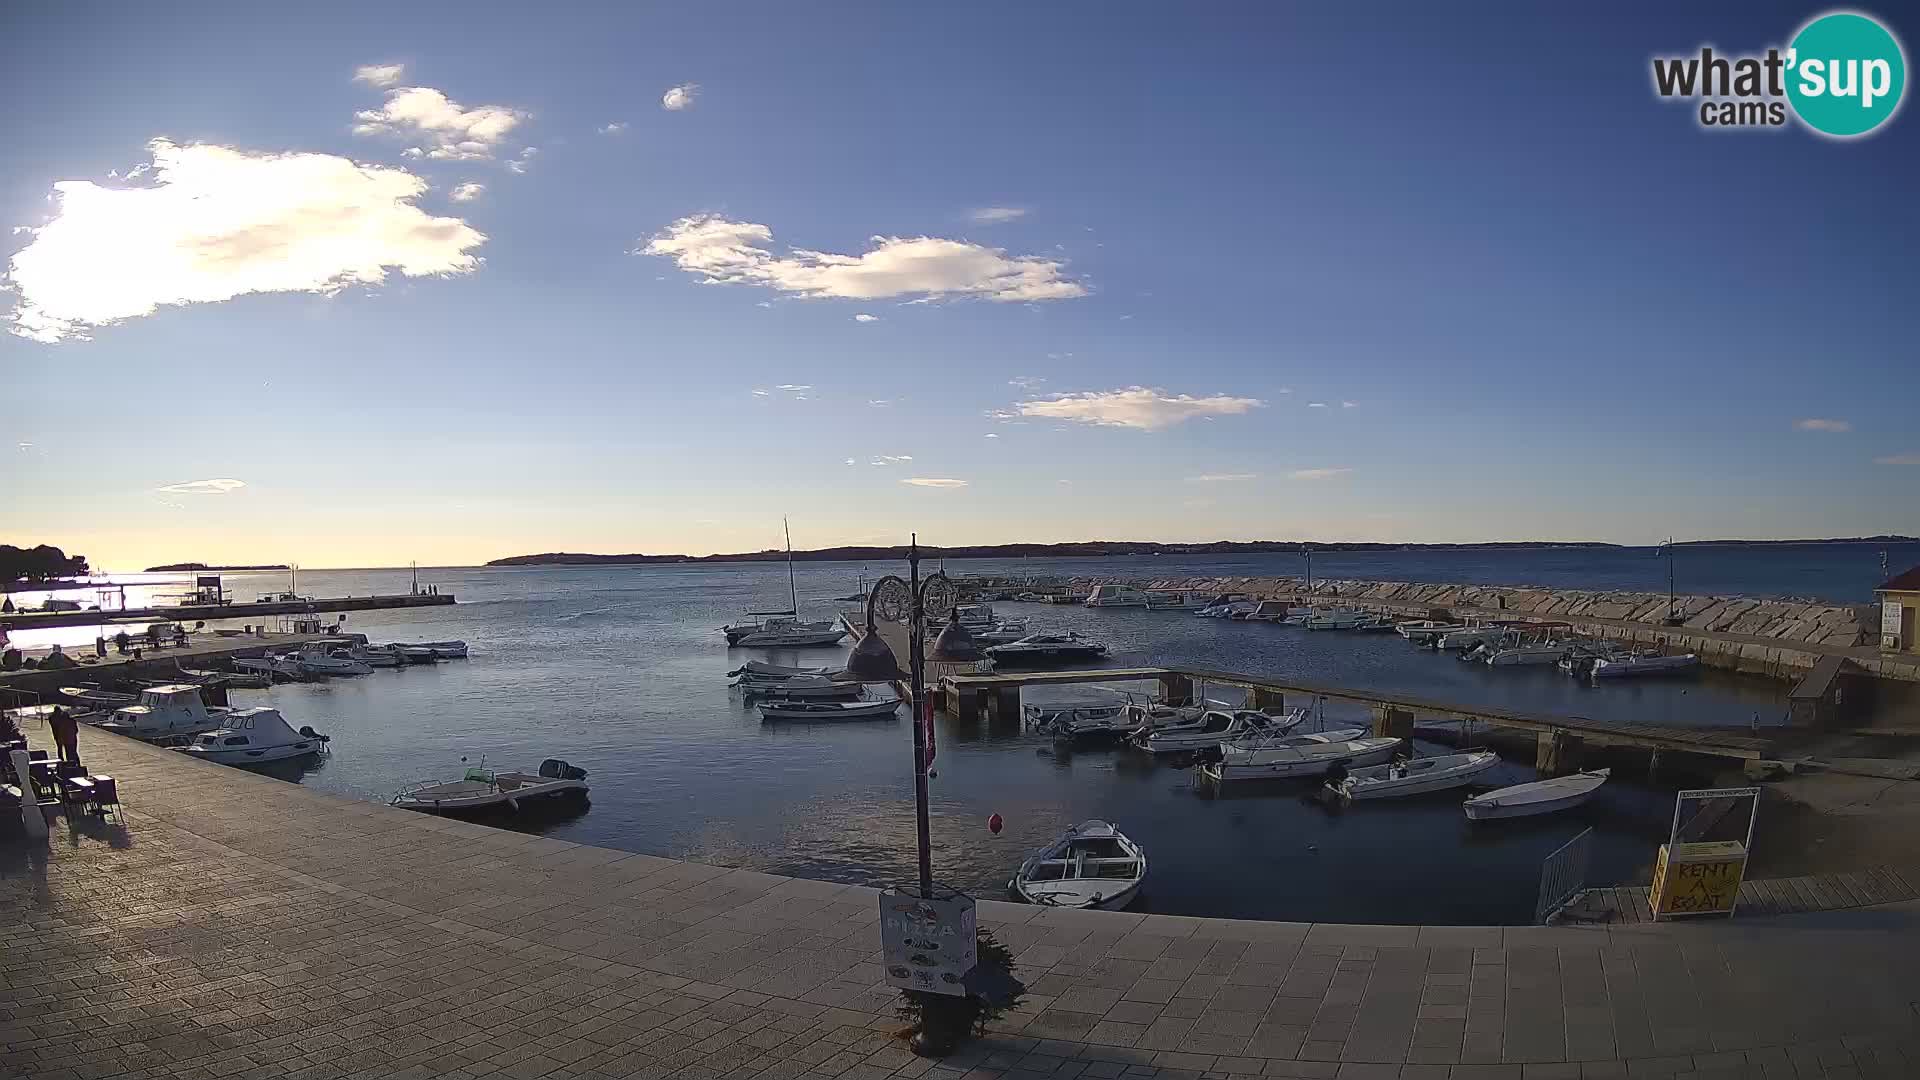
[557,769]
[307,732]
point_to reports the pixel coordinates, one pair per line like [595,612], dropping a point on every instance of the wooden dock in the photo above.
[40,620]
[966,693]
[1761,896]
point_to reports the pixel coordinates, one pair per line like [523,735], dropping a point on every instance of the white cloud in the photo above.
[1318,474]
[1221,478]
[995,215]
[864,317]
[760,391]
[466,192]
[850,461]
[216,223]
[519,163]
[884,460]
[1146,408]
[614,128]
[879,403]
[1898,459]
[990,435]
[1028,382]
[381,75]
[1817,424]
[220,486]
[723,252]
[934,482]
[680,97]
[1349,404]
[1316,404]
[451,131]
[794,388]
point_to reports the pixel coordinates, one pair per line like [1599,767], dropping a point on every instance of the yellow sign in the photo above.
[1698,879]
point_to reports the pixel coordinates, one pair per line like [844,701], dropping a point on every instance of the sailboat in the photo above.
[783,629]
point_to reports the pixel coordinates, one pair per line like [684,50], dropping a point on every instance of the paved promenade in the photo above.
[238,926]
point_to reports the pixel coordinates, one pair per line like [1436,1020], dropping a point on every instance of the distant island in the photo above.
[1103,548]
[203,566]
[1081,550]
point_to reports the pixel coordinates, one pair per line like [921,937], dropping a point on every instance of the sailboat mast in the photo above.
[793,594]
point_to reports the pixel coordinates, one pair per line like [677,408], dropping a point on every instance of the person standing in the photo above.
[66,734]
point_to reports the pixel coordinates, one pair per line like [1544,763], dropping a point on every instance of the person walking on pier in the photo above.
[66,734]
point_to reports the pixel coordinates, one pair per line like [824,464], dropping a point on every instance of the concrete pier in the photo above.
[32,620]
[234,925]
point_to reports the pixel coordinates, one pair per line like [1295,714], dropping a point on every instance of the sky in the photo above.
[384,283]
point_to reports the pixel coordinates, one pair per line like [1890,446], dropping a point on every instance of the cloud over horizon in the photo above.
[724,252]
[1318,474]
[1821,424]
[449,130]
[1222,478]
[216,222]
[1140,407]
[220,486]
[934,482]
[381,75]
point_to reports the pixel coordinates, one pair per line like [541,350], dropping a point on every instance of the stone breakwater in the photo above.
[1783,638]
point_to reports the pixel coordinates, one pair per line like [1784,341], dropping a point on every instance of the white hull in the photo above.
[1527,655]
[790,639]
[1421,777]
[1076,720]
[1093,865]
[1337,620]
[1644,665]
[1211,732]
[260,756]
[481,791]
[1104,596]
[1539,797]
[828,713]
[1282,764]
[1463,639]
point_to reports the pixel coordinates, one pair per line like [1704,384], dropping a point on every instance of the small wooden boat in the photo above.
[95,698]
[761,667]
[1417,777]
[1092,865]
[483,790]
[1067,720]
[1642,663]
[827,712]
[441,650]
[1215,727]
[1539,797]
[1302,759]
[799,686]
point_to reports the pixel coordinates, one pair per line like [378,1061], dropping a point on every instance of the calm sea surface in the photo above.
[620,671]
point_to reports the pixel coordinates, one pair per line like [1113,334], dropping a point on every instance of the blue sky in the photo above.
[1557,306]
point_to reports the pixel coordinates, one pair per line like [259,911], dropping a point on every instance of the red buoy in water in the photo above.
[994,823]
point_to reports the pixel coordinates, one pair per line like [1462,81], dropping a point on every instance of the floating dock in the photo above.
[40,620]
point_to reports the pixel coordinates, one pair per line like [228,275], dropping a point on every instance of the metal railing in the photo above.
[1563,876]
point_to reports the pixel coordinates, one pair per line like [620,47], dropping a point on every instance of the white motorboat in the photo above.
[1073,719]
[377,657]
[974,616]
[1092,865]
[441,650]
[1417,777]
[1227,609]
[284,666]
[1272,611]
[1293,738]
[1304,759]
[760,667]
[482,790]
[819,712]
[1526,654]
[317,659]
[799,686]
[166,712]
[1336,619]
[1539,797]
[1216,726]
[1468,637]
[789,633]
[1001,633]
[1045,650]
[93,697]
[1642,663]
[253,737]
[1178,600]
[1423,631]
[1115,596]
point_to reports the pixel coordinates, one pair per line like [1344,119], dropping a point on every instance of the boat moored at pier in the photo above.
[1092,865]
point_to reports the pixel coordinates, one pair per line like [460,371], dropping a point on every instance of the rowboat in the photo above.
[799,686]
[1215,727]
[483,790]
[1539,797]
[1304,759]
[1417,777]
[1092,865]
[761,667]
[827,712]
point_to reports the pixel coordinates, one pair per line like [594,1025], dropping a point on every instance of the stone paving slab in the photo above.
[235,925]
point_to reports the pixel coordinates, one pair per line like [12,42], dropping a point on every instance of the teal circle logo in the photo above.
[1846,74]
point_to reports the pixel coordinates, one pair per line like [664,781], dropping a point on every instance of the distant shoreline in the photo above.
[1100,549]
[173,567]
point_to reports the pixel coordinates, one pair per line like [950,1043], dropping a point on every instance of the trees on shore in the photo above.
[38,563]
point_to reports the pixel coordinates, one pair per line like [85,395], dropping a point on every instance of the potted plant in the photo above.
[942,1021]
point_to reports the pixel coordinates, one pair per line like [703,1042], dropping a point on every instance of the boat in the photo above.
[1416,777]
[377,657]
[1069,720]
[232,680]
[1115,596]
[1215,726]
[1336,619]
[1642,663]
[1288,737]
[95,698]
[1539,797]
[166,712]
[1227,607]
[1423,631]
[1046,650]
[1299,759]
[269,667]
[1374,624]
[1272,611]
[1526,653]
[1177,600]
[441,650]
[783,629]
[798,686]
[1031,597]
[1468,637]
[1001,633]
[483,790]
[816,712]
[974,616]
[317,659]
[781,671]
[255,736]
[1092,865]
